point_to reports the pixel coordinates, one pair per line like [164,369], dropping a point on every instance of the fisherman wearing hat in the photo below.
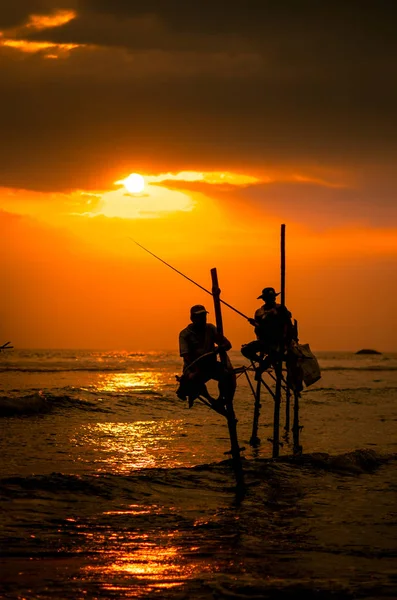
[199,344]
[273,329]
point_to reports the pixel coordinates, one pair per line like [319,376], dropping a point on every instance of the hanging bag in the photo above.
[306,362]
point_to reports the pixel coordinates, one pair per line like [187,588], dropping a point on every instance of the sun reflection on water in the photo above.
[134,510]
[122,447]
[150,566]
[137,381]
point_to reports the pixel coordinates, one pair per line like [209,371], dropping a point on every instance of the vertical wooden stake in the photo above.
[282,265]
[277,402]
[279,358]
[287,408]
[297,449]
[231,418]
[255,441]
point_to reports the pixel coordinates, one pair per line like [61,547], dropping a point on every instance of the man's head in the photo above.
[268,295]
[198,314]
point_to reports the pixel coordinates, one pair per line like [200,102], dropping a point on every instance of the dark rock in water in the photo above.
[368,351]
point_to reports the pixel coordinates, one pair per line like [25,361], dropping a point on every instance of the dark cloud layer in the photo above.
[360,27]
[174,85]
[225,16]
[13,14]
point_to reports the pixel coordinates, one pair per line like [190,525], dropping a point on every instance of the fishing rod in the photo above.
[191,280]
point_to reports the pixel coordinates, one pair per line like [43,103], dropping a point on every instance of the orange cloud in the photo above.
[211,177]
[31,47]
[17,38]
[60,17]
[153,203]
[316,181]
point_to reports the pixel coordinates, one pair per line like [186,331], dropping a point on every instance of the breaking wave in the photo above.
[63,369]
[384,388]
[14,368]
[41,403]
[363,368]
[140,481]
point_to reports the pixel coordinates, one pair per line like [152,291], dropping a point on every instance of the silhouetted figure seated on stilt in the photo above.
[274,332]
[199,344]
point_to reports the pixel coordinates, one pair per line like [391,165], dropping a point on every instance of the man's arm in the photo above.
[283,310]
[187,359]
[225,343]
[184,350]
[287,324]
[256,321]
[222,341]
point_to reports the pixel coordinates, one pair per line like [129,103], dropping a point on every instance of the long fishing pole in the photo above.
[191,280]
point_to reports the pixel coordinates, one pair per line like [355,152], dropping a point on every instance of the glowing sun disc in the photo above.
[134,183]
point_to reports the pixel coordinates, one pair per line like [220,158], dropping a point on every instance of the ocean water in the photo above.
[111,487]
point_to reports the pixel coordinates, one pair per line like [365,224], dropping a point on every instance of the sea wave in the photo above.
[372,389]
[139,483]
[361,368]
[356,462]
[18,369]
[306,527]
[131,366]
[41,403]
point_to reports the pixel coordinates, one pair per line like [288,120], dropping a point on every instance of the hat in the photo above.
[267,292]
[197,309]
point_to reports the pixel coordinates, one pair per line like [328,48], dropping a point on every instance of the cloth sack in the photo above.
[306,362]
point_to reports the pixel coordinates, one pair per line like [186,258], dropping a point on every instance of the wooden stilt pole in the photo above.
[277,402]
[279,358]
[267,387]
[297,449]
[231,418]
[255,441]
[287,409]
[249,383]
[282,249]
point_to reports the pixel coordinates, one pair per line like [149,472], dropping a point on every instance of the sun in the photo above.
[134,183]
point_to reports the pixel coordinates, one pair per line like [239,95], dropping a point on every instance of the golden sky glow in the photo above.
[152,203]
[206,177]
[134,183]
[81,241]
[236,128]
[135,200]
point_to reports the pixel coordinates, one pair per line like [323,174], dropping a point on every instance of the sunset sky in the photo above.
[240,116]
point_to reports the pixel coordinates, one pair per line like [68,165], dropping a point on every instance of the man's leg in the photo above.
[226,381]
[192,385]
[216,403]
[253,350]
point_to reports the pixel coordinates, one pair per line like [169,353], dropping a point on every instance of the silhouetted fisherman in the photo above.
[199,344]
[274,331]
